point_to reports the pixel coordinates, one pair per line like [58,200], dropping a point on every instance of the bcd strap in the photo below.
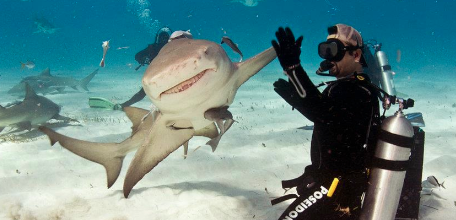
[395,139]
[283,198]
[389,164]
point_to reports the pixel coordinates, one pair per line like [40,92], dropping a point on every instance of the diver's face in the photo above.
[163,38]
[348,65]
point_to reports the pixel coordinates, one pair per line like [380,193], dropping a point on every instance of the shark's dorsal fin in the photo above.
[83,83]
[29,92]
[251,66]
[46,72]
[136,116]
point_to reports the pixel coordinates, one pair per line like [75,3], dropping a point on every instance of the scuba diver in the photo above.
[345,116]
[143,57]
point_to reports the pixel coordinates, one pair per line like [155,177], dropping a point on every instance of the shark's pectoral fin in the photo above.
[105,154]
[25,125]
[159,143]
[251,66]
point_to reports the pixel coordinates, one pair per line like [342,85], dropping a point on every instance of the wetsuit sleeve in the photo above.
[136,98]
[345,99]
[298,89]
[142,57]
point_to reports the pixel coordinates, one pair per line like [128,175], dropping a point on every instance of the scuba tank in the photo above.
[390,163]
[378,67]
[396,171]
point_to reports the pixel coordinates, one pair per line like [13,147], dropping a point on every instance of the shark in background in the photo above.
[32,111]
[192,83]
[248,3]
[42,25]
[46,83]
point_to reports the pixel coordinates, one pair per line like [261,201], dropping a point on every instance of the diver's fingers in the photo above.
[289,35]
[299,41]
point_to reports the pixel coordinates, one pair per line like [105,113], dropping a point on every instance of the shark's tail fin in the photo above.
[106,154]
[86,80]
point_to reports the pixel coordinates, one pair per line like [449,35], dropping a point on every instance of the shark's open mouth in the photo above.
[186,84]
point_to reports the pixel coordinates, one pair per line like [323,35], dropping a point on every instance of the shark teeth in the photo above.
[186,84]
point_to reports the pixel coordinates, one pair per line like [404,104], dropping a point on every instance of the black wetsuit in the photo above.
[144,57]
[342,116]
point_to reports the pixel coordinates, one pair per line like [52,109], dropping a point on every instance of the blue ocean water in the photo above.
[417,36]
[422,30]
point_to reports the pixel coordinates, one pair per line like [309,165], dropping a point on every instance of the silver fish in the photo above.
[432,180]
[29,65]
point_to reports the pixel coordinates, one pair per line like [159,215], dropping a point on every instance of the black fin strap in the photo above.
[392,165]
[395,139]
[284,198]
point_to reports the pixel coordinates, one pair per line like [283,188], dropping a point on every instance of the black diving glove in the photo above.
[287,48]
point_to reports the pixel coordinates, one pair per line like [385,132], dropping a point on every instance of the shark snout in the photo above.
[180,75]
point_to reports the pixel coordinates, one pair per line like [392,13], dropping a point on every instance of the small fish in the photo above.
[105,46]
[121,48]
[233,46]
[29,64]
[432,180]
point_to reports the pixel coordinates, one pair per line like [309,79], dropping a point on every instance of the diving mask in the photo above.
[334,50]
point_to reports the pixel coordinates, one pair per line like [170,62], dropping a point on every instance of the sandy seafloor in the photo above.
[237,181]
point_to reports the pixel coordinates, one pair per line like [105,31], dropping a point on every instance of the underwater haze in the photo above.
[421,29]
[268,142]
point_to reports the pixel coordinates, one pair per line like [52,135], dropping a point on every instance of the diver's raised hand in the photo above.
[288,49]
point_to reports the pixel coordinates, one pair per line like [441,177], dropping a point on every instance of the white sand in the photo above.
[38,181]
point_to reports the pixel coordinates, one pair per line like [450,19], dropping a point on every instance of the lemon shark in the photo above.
[47,83]
[33,110]
[192,83]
